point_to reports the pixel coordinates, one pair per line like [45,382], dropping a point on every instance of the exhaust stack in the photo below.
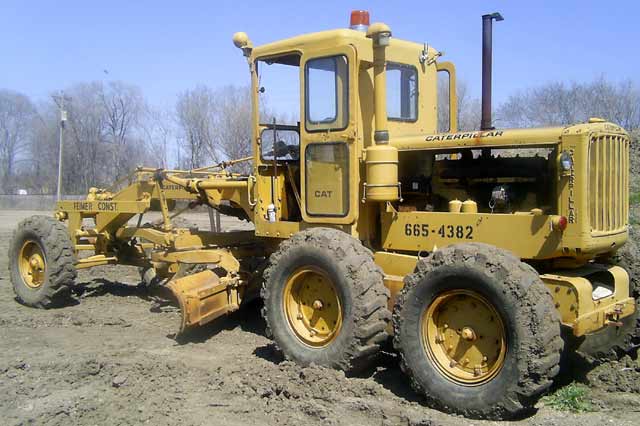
[487,54]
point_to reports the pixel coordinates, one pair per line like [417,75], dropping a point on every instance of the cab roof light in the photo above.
[359,20]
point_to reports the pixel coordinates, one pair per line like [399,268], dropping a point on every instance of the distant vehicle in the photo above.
[22,192]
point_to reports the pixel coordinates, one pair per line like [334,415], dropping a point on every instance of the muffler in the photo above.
[487,67]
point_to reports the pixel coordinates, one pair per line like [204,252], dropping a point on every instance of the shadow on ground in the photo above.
[248,318]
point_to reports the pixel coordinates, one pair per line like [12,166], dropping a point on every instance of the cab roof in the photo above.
[332,38]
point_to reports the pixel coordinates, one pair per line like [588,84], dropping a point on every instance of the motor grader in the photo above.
[481,254]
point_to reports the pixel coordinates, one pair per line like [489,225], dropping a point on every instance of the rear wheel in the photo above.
[41,262]
[325,301]
[477,332]
[466,350]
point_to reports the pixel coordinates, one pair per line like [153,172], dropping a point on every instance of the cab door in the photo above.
[329,167]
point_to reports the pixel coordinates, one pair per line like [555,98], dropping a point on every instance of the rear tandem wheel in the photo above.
[477,332]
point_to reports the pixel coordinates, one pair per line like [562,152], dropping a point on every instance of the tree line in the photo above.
[111,128]
[554,103]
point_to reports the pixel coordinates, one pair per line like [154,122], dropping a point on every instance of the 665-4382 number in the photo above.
[460,232]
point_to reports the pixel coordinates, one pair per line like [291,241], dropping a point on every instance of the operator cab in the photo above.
[313,114]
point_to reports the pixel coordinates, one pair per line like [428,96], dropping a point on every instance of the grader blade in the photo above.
[202,297]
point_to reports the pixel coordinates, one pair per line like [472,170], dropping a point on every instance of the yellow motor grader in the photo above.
[482,254]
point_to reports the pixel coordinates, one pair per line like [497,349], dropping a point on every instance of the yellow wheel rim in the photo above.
[312,306]
[32,264]
[464,336]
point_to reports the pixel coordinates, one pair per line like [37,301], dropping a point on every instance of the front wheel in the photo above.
[41,262]
[477,332]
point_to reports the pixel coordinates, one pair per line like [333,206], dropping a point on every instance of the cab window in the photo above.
[326,93]
[402,92]
[279,106]
[280,143]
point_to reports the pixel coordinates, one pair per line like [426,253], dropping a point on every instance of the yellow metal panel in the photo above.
[395,267]
[528,236]
[490,138]
[572,294]
[327,179]
[174,192]
[84,206]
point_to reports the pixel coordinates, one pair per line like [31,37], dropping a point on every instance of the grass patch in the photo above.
[573,397]
[634,198]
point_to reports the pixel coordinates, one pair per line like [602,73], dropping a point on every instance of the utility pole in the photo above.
[59,100]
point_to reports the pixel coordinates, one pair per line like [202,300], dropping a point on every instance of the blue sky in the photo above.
[168,46]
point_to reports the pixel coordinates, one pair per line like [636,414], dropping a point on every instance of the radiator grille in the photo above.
[608,183]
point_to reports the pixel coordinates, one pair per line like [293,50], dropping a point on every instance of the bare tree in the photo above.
[619,103]
[559,103]
[215,124]
[468,107]
[122,106]
[85,152]
[195,111]
[16,117]
[158,133]
[103,140]
[40,175]
[233,124]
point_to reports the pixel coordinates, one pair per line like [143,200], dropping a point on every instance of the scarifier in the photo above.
[482,254]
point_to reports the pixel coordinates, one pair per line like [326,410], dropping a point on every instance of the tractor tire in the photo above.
[325,301]
[497,314]
[41,262]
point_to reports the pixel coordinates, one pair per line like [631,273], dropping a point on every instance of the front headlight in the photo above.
[566,161]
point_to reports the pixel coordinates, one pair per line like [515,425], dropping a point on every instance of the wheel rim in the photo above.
[464,336]
[32,264]
[312,306]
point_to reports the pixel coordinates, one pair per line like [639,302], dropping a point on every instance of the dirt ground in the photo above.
[111,359]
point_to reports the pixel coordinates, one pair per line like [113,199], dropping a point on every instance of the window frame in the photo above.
[283,127]
[399,66]
[348,175]
[346,91]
